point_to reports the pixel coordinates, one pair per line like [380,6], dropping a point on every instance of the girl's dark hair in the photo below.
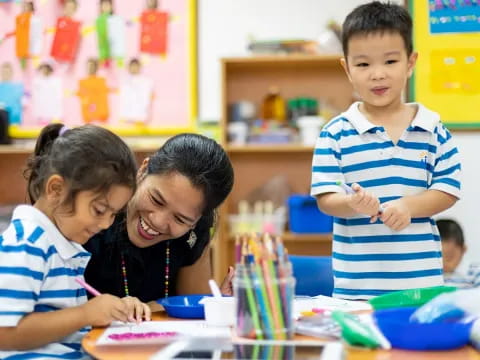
[204,162]
[450,230]
[88,158]
[375,17]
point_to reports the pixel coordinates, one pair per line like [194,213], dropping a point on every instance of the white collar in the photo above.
[65,248]
[424,118]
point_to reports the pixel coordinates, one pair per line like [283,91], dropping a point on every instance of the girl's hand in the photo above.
[396,215]
[227,288]
[103,309]
[363,202]
[136,310]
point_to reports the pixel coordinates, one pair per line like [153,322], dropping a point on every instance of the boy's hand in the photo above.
[396,215]
[363,202]
[103,309]
[136,310]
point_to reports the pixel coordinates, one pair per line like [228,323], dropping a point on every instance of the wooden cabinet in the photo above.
[320,77]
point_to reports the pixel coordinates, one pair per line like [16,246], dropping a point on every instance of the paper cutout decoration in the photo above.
[111,31]
[153,33]
[67,35]
[136,93]
[11,95]
[93,93]
[28,32]
[47,94]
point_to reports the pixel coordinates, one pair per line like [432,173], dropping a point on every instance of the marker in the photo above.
[87,287]
[350,191]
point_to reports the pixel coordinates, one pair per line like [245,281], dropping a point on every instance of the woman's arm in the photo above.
[193,279]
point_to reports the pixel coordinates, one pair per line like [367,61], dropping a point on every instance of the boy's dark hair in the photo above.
[378,17]
[88,157]
[450,230]
[204,162]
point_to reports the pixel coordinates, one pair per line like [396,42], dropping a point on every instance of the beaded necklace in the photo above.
[167,271]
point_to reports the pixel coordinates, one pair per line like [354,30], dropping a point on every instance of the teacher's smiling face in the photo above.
[165,206]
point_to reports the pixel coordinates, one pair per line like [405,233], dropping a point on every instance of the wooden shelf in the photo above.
[256,148]
[289,236]
[282,60]
[293,237]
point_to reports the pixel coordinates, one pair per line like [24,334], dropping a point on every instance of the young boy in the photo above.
[453,249]
[398,157]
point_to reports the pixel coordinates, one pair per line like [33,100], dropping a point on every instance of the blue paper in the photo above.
[11,100]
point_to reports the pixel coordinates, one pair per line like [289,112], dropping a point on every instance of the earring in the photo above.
[192,239]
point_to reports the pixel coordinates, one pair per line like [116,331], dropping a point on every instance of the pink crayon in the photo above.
[87,287]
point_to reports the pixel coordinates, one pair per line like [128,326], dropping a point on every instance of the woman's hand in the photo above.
[136,310]
[227,288]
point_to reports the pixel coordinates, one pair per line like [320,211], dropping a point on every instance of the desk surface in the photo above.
[145,352]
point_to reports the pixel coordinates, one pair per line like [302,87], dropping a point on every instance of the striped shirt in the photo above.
[459,280]
[371,259]
[37,271]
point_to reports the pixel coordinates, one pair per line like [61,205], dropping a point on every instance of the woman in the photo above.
[159,247]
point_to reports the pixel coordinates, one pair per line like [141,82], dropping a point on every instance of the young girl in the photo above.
[78,180]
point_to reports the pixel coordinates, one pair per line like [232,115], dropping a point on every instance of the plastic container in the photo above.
[219,311]
[396,326]
[264,309]
[248,223]
[305,217]
[184,306]
[408,298]
[310,128]
[450,306]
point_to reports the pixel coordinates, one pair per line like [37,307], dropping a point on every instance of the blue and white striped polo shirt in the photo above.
[371,259]
[37,271]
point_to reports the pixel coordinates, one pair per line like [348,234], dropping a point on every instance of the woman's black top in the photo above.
[145,267]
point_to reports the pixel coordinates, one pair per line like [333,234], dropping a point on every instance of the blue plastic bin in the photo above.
[304,216]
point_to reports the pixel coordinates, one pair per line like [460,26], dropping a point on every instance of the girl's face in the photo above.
[163,207]
[92,213]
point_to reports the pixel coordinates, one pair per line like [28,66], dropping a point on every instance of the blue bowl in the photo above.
[184,306]
[396,327]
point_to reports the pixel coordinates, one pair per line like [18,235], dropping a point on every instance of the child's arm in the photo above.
[347,205]
[41,328]
[398,213]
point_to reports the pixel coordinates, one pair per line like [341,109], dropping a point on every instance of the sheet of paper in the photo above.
[149,332]
[327,303]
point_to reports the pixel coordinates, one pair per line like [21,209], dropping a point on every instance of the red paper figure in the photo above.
[153,37]
[67,34]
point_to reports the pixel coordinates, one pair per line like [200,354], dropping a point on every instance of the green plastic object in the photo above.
[408,298]
[354,332]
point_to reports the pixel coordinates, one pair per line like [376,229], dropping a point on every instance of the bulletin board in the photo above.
[447,74]
[173,107]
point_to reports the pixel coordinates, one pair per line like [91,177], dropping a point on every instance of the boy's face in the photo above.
[378,67]
[452,255]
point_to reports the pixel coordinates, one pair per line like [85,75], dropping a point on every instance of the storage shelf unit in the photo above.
[249,78]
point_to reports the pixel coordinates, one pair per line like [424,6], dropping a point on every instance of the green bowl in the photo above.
[408,298]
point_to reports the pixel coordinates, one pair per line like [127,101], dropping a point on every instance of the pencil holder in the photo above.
[264,295]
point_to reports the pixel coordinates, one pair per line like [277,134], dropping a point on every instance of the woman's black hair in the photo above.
[88,157]
[204,162]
